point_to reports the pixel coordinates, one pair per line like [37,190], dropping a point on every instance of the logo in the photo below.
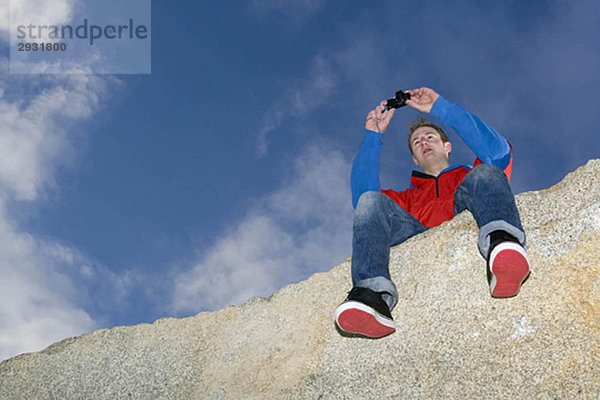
[102,37]
[33,32]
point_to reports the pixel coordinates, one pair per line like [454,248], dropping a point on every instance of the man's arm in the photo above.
[487,144]
[365,169]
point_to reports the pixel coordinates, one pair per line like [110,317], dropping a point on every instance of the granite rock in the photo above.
[453,340]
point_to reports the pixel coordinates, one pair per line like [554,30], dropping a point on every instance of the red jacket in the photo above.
[431,199]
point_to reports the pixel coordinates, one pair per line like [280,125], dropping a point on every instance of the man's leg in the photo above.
[486,193]
[378,224]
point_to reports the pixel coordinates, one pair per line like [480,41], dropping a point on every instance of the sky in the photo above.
[224,173]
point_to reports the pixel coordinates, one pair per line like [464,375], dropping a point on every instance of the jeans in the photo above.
[380,223]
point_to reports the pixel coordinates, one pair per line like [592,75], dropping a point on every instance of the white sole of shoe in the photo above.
[361,319]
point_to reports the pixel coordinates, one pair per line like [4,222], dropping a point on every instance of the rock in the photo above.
[453,341]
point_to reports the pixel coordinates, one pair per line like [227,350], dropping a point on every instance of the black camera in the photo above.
[398,101]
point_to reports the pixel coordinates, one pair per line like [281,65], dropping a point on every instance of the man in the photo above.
[385,218]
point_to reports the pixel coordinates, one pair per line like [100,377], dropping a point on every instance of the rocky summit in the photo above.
[453,340]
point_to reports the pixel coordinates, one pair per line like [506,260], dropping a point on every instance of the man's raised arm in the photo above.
[487,144]
[365,169]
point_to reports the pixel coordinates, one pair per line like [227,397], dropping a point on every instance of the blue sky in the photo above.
[224,174]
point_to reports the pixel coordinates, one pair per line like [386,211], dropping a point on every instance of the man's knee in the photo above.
[486,172]
[369,202]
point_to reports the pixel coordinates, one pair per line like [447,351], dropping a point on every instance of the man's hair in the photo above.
[419,123]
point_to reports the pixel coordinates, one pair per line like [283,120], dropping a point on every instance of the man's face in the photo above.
[427,146]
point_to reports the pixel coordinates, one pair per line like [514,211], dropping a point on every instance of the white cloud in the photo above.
[45,288]
[292,233]
[353,62]
[36,297]
[28,11]
[33,139]
[311,92]
[44,284]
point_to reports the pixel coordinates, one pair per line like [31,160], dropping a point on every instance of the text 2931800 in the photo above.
[57,46]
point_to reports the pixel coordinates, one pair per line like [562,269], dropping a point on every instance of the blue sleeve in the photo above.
[365,169]
[487,144]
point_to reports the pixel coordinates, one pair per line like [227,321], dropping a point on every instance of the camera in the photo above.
[398,101]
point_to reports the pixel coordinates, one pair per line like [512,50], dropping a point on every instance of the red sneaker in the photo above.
[365,313]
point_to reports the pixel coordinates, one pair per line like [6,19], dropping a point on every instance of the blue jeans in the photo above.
[380,223]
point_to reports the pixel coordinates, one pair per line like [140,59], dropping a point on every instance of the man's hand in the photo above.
[422,99]
[379,118]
